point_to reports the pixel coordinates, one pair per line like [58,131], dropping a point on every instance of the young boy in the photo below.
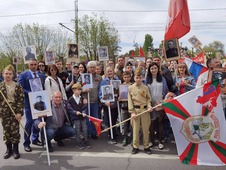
[139,100]
[124,111]
[77,107]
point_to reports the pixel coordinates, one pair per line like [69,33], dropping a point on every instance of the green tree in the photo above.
[41,37]
[148,43]
[95,32]
[214,48]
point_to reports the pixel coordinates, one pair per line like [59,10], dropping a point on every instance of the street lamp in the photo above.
[67,28]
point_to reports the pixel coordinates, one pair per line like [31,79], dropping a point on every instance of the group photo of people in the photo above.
[119,91]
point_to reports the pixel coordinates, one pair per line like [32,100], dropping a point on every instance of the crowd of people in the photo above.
[149,84]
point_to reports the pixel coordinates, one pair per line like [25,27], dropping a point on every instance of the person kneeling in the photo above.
[58,126]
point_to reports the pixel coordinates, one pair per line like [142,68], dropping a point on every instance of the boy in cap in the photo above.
[77,108]
[139,100]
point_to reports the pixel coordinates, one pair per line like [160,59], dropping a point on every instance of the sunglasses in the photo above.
[41,65]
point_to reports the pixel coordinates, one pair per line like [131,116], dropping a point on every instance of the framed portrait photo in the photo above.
[171,49]
[103,53]
[115,84]
[195,42]
[123,92]
[28,53]
[35,84]
[50,57]
[87,81]
[107,93]
[17,60]
[218,74]
[72,50]
[40,104]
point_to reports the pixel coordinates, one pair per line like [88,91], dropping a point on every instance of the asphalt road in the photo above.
[102,156]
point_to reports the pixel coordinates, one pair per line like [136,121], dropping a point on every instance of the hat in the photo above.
[76,66]
[129,63]
[77,86]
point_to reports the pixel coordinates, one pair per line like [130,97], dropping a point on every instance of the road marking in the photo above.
[112,155]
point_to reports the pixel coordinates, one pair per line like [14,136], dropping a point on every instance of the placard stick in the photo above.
[119,116]
[110,122]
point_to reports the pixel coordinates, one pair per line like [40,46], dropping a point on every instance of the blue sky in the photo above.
[208,17]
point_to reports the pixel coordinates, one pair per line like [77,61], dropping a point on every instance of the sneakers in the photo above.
[135,151]
[148,151]
[87,144]
[80,146]
[160,146]
[112,141]
[37,143]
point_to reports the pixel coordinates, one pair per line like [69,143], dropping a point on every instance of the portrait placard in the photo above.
[87,81]
[35,84]
[107,93]
[50,57]
[115,84]
[171,49]
[72,50]
[17,60]
[218,74]
[40,104]
[123,92]
[103,53]
[195,42]
[28,53]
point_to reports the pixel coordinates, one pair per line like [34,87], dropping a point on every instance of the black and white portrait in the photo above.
[123,92]
[218,74]
[35,84]
[49,57]
[171,49]
[29,53]
[115,84]
[195,42]
[103,53]
[40,104]
[72,50]
[107,93]
[87,80]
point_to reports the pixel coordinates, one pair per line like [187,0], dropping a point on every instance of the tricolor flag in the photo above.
[195,69]
[199,125]
[178,20]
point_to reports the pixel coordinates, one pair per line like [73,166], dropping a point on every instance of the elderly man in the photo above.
[58,126]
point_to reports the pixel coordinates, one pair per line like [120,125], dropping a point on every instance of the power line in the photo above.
[106,11]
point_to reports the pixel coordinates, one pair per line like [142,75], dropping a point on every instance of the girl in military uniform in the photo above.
[13,93]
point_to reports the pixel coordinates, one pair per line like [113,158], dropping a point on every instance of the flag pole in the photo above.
[119,116]
[47,146]
[110,122]
[88,104]
[13,111]
[129,119]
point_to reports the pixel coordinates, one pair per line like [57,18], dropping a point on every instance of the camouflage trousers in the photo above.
[11,130]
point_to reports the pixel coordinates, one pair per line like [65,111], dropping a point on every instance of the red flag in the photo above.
[132,53]
[97,124]
[178,20]
[199,58]
[141,53]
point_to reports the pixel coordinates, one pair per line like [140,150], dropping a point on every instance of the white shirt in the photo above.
[77,99]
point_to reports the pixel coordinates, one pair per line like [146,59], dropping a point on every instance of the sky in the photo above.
[133,19]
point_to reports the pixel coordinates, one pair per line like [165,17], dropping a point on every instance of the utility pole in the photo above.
[76,21]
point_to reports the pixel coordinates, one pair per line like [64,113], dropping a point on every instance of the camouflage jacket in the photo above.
[17,105]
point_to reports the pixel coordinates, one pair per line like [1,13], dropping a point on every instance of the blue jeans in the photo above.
[29,127]
[94,110]
[63,132]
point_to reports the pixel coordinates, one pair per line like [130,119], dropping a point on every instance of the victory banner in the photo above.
[199,125]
